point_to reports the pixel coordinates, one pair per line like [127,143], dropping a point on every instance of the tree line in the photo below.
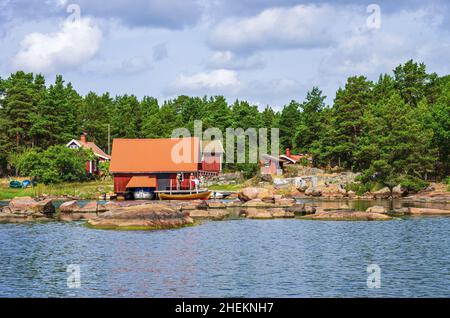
[398,125]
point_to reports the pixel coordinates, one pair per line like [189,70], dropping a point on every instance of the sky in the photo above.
[265,51]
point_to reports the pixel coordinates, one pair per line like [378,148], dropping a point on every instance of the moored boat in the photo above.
[185,196]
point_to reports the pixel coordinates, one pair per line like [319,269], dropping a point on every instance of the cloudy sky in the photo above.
[265,51]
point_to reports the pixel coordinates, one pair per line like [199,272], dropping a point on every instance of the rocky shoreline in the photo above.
[252,203]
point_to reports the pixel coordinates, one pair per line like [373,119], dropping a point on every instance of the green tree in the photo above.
[126,117]
[56,119]
[310,123]
[414,83]
[289,121]
[152,125]
[349,106]
[95,113]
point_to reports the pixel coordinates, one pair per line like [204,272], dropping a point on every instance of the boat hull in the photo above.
[185,197]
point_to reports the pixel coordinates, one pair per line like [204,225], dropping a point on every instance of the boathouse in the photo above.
[92,166]
[162,164]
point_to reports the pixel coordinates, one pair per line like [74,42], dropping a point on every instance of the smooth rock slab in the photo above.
[348,216]
[377,209]
[424,211]
[142,217]
[214,214]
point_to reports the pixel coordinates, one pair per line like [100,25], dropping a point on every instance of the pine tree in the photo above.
[19,104]
[289,121]
[349,106]
[95,113]
[152,125]
[310,122]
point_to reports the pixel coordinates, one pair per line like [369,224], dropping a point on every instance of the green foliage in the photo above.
[104,168]
[396,126]
[248,170]
[360,188]
[412,184]
[55,165]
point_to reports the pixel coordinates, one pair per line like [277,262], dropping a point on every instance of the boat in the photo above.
[15,184]
[143,194]
[26,184]
[185,196]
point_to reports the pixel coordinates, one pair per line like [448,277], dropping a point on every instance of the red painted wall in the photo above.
[212,163]
[120,183]
[271,169]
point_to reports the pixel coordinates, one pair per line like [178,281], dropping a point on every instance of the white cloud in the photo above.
[403,35]
[301,26]
[76,43]
[216,80]
[229,60]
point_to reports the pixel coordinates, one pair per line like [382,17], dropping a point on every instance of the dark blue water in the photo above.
[243,258]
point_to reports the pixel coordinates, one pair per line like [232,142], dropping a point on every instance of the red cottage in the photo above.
[93,165]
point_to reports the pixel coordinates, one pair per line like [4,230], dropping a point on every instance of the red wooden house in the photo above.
[100,156]
[150,163]
[275,165]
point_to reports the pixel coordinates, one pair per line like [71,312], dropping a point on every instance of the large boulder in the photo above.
[297,208]
[384,193]
[286,202]
[267,178]
[142,217]
[399,192]
[248,194]
[377,209]
[30,206]
[333,191]
[313,192]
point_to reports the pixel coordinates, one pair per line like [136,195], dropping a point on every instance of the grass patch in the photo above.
[83,190]
[226,187]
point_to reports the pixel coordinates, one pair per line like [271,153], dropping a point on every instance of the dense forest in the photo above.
[396,126]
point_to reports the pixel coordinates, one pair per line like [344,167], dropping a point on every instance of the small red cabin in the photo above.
[100,156]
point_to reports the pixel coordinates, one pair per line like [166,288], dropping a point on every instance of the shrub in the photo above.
[412,184]
[55,165]
[360,188]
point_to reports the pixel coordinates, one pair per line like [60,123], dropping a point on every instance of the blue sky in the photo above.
[265,51]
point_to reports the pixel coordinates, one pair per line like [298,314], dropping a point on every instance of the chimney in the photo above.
[83,138]
[288,152]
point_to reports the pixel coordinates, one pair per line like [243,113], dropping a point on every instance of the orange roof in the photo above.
[155,155]
[95,149]
[142,182]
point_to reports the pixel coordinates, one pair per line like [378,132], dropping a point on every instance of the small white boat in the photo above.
[143,194]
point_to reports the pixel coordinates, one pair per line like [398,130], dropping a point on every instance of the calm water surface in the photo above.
[242,258]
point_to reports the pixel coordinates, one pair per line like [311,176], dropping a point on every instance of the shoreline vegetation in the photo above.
[89,190]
